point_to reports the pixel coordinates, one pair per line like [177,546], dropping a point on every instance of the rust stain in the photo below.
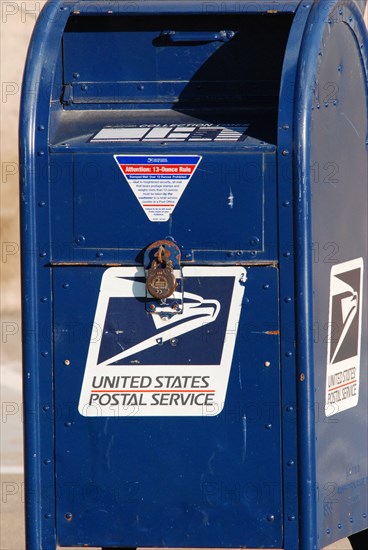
[273,332]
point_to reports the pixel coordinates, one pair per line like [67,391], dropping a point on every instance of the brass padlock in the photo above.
[161,282]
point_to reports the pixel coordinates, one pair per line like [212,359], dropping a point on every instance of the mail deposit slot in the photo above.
[194,229]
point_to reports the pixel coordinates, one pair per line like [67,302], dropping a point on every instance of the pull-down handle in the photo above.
[197,36]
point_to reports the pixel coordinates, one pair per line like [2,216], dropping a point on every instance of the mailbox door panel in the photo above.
[211,478]
[107,209]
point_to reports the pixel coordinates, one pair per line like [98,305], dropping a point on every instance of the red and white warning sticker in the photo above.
[158,182]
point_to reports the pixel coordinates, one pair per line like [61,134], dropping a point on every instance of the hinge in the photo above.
[67,95]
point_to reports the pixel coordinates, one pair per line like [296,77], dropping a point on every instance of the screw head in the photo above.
[271,518]
[68,516]
[267,364]
[67,362]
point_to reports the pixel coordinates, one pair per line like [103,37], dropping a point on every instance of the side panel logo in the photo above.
[140,364]
[344,336]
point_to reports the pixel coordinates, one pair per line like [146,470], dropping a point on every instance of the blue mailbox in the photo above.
[194,236]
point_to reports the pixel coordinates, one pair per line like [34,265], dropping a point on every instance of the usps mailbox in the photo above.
[194,229]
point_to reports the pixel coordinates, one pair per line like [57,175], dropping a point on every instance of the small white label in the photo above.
[158,181]
[144,365]
[344,336]
[172,133]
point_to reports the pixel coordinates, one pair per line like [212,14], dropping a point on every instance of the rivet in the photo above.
[335,102]
[174,341]
[47,461]
[80,239]
[288,354]
[285,126]
[46,408]
[267,364]
[187,256]
[285,153]
[286,203]
[364,515]
[65,285]
[76,75]
[68,516]
[67,362]
[351,520]
[302,377]
[318,106]
[152,307]
[287,300]
[99,254]
[41,128]
[44,353]
[48,515]
[339,68]
[41,153]
[246,300]
[326,104]
[290,463]
[253,253]
[320,53]
[41,203]
[291,518]
[140,87]
[268,426]
[287,254]
[253,241]
[290,408]
[341,11]
[44,299]
[239,253]
[350,19]
[42,254]
[266,287]
[328,531]
[67,424]
[271,518]
[84,87]
[230,254]
[339,525]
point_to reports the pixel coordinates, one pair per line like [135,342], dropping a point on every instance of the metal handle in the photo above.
[194,36]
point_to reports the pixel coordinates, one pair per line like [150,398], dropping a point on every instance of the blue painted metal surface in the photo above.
[332,191]
[291,80]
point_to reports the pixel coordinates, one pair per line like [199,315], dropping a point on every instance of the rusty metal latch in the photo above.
[164,282]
